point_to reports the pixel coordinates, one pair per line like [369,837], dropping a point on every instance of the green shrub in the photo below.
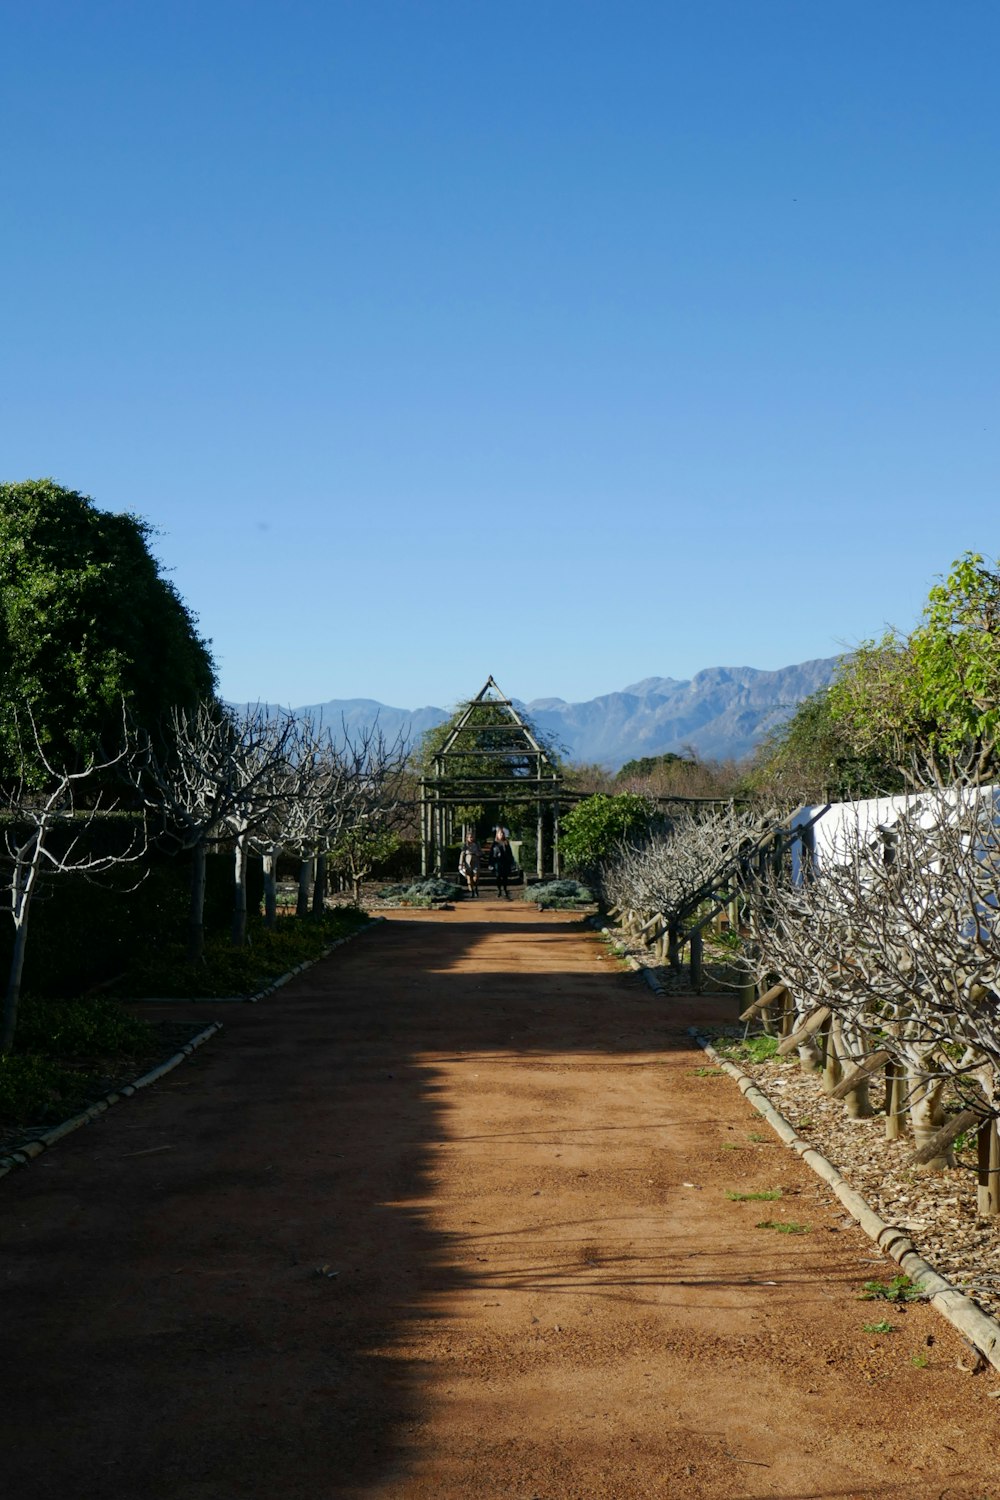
[80,1028]
[34,1090]
[423,892]
[559,894]
[224,970]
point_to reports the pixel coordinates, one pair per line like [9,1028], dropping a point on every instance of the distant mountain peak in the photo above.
[721,712]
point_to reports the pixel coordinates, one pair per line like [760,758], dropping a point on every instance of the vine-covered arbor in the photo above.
[489,757]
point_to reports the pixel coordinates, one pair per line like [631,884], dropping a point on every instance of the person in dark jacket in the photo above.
[502,860]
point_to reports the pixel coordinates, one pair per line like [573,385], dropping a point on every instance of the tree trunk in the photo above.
[196,909]
[270,863]
[239,933]
[924,1100]
[13,995]
[305,881]
[319,887]
[893,1101]
[832,1071]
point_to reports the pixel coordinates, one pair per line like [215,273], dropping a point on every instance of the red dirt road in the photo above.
[501,1151]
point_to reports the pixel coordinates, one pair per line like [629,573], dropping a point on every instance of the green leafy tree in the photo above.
[591,829]
[931,699]
[811,758]
[87,623]
[488,748]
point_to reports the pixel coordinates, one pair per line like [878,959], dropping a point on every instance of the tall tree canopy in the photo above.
[931,699]
[87,621]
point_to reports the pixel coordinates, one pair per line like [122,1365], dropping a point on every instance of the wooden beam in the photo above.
[944,1137]
[770,997]
[860,1073]
[802,1033]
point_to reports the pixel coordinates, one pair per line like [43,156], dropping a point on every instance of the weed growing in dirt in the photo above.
[767,1195]
[755,1049]
[920,1360]
[754,1135]
[899,1289]
[707,1073]
[881,1327]
[784,1226]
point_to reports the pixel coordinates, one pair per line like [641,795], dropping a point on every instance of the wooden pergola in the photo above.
[516,770]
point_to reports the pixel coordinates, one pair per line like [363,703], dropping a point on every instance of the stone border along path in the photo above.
[25,1153]
[959,1310]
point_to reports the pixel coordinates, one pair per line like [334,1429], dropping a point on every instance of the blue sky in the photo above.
[572,342]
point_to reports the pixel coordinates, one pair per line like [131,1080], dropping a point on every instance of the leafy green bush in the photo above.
[80,1028]
[225,970]
[557,895]
[36,1089]
[592,828]
[423,892]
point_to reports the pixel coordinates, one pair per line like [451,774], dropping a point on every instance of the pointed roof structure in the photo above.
[523,740]
[489,754]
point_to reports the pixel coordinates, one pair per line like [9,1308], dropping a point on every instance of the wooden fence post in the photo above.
[696,954]
[988,1192]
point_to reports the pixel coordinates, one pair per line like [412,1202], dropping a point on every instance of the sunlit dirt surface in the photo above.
[448,1217]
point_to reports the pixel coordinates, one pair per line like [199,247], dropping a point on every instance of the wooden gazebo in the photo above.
[489,755]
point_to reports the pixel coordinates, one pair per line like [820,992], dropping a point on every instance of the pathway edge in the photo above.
[946,1298]
[22,1155]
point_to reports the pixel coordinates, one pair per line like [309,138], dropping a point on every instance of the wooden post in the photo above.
[988,1191]
[539,851]
[748,995]
[556,860]
[696,956]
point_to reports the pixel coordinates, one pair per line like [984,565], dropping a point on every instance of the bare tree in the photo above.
[898,938]
[220,776]
[700,861]
[377,805]
[47,835]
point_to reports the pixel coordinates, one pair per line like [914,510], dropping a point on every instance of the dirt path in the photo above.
[513,1169]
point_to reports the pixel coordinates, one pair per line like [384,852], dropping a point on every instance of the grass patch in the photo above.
[899,1289]
[884,1326]
[755,1049]
[767,1195]
[783,1226]
[708,1073]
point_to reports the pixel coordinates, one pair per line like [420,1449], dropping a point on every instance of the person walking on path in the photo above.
[468,864]
[502,860]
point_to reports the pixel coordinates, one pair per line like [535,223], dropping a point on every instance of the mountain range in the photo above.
[721,713]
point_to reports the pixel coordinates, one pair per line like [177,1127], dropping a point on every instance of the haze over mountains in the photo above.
[722,713]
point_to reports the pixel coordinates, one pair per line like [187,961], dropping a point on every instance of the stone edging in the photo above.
[639,968]
[22,1155]
[959,1310]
